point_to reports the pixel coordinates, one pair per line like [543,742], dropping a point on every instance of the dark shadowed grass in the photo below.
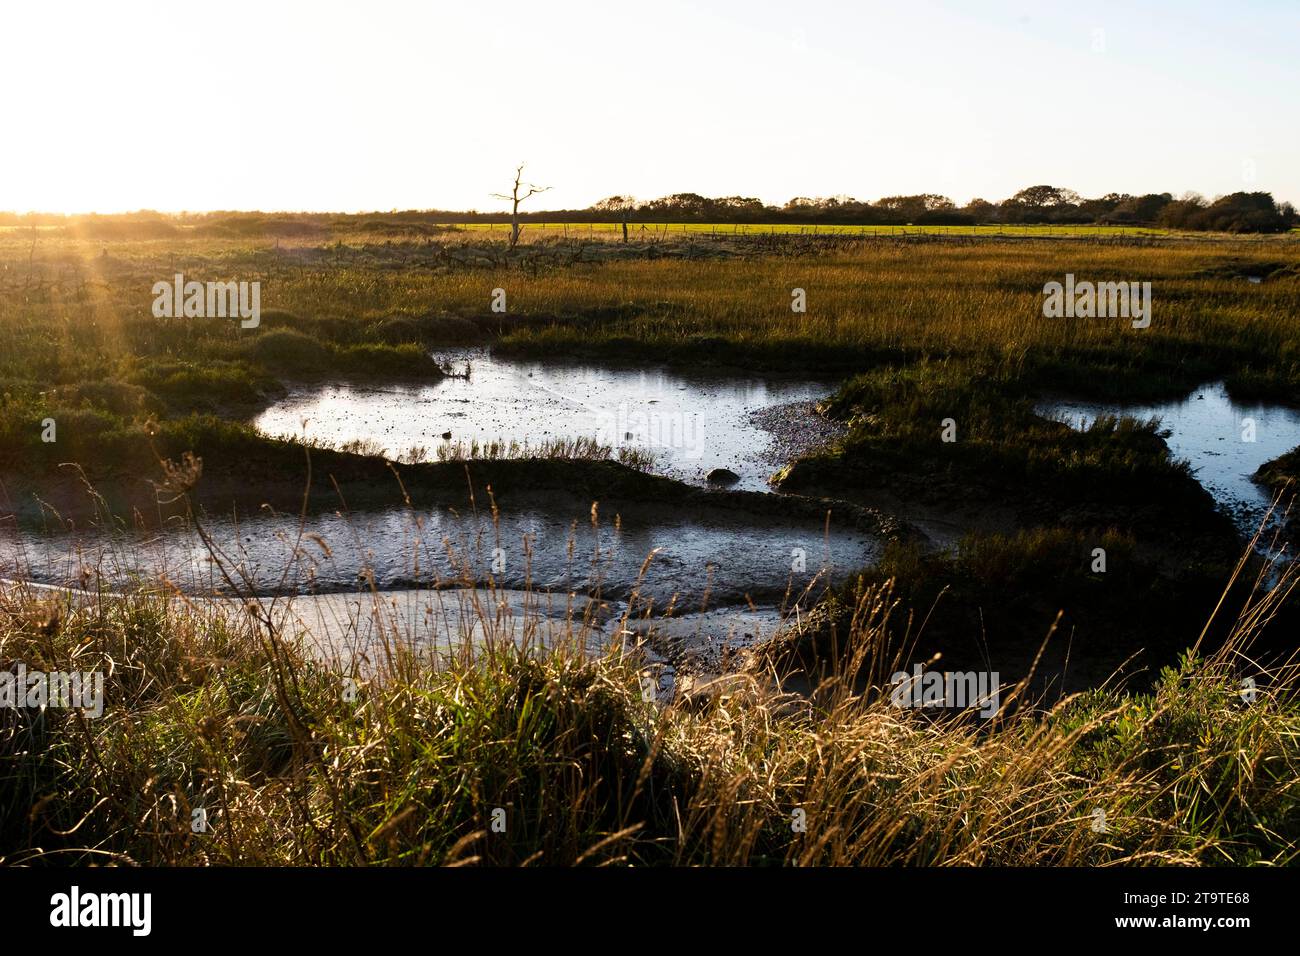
[962,433]
[1112,606]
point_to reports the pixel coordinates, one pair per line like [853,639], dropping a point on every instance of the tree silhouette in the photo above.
[515,199]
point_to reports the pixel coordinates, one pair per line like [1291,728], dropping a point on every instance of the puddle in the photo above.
[1215,435]
[363,630]
[690,424]
[709,557]
[704,644]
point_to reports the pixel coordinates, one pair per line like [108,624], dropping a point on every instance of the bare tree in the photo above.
[515,199]
[623,205]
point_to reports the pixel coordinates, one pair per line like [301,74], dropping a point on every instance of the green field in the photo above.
[653,230]
[642,229]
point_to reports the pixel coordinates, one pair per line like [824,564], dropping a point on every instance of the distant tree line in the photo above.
[1236,212]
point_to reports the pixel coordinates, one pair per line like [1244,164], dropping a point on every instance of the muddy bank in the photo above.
[366,630]
[945,507]
[343,482]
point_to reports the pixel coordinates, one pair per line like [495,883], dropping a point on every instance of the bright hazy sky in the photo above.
[381,104]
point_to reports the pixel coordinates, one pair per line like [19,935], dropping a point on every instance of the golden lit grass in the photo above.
[876,295]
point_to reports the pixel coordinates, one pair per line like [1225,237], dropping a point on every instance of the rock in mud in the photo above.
[722,476]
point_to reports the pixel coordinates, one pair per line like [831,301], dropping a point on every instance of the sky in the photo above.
[410,104]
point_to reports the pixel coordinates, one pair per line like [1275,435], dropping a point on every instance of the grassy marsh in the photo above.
[231,714]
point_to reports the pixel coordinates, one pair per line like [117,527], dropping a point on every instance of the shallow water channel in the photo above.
[704,557]
[436,579]
[1224,441]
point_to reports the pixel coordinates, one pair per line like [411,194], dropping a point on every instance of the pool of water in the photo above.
[691,424]
[1225,441]
[707,557]
[365,630]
